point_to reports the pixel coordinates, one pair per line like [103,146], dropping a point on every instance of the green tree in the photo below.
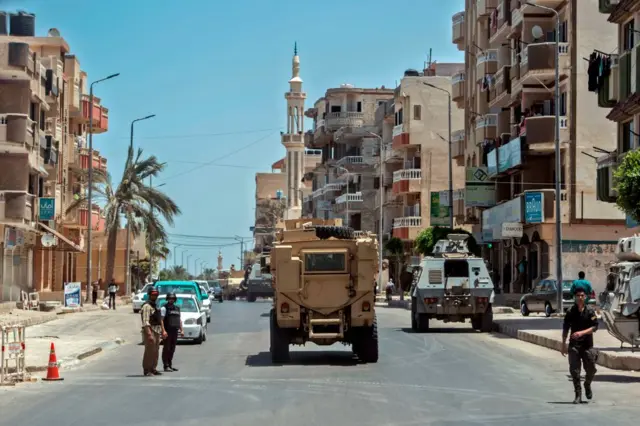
[133,199]
[627,178]
[428,237]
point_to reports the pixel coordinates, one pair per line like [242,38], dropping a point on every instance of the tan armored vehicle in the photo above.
[323,280]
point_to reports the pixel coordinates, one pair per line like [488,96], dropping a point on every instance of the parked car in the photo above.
[543,298]
[206,303]
[192,287]
[138,300]
[206,288]
[193,317]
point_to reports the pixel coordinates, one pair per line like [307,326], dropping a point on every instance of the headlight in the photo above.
[190,321]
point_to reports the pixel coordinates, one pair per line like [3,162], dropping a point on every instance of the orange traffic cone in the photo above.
[52,371]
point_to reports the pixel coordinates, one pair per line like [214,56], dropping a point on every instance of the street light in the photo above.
[450,166]
[557,149]
[90,182]
[128,278]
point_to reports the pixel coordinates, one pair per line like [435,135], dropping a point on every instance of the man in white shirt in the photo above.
[113,289]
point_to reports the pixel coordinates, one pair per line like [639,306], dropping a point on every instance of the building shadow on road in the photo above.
[408,330]
[307,358]
[616,378]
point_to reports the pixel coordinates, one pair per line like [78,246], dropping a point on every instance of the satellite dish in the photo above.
[537,32]
[53,32]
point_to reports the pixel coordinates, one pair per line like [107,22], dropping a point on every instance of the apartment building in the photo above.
[414,129]
[345,181]
[618,86]
[507,92]
[43,127]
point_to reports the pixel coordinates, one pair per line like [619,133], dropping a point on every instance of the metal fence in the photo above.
[13,357]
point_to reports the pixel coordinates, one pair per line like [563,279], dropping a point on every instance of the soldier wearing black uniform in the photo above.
[581,319]
[173,327]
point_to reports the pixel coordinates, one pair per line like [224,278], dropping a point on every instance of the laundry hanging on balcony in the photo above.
[599,69]
[488,81]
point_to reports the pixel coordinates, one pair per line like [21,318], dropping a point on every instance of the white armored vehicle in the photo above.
[452,285]
[621,307]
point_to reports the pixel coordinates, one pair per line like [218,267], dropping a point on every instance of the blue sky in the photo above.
[215,74]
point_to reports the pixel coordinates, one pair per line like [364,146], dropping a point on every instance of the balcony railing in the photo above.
[355,197]
[16,128]
[53,127]
[335,120]
[350,160]
[498,95]
[390,154]
[489,120]
[407,222]
[538,60]
[16,61]
[457,87]
[540,131]
[406,174]
[487,63]
[100,117]
[16,206]
[458,29]
[457,144]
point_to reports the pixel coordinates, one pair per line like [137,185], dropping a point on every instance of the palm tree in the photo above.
[134,200]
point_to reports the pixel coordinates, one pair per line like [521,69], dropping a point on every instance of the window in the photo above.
[456,269]
[359,107]
[626,137]
[628,35]
[324,262]
[417,112]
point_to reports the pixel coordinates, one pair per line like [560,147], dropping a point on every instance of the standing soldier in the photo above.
[581,319]
[152,331]
[173,327]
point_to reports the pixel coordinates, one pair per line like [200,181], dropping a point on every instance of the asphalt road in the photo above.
[448,377]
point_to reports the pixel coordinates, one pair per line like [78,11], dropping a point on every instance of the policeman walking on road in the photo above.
[173,326]
[152,332]
[581,319]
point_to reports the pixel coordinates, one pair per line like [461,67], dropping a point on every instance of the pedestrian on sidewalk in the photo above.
[152,331]
[113,289]
[94,291]
[173,327]
[581,319]
[582,283]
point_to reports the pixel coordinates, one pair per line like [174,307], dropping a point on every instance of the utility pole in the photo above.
[90,186]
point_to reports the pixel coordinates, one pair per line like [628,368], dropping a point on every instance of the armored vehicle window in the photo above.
[456,268]
[324,262]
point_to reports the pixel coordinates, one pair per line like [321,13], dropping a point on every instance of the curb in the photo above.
[614,362]
[35,320]
[406,304]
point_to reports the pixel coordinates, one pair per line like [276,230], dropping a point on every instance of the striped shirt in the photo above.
[146,312]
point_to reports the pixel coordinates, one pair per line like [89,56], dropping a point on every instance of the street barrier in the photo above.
[13,359]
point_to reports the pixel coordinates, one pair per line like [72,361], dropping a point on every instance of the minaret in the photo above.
[220,267]
[293,140]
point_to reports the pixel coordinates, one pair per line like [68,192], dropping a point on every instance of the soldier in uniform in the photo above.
[581,319]
[152,332]
[173,327]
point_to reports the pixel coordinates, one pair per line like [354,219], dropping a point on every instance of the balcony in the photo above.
[518,14]
[16,131]
[457,144]
[498,33]
[53,128]
[336,120]
[538,63]
[81,160]
[74,95]
[53,78]
[16,61]
[100,118]
[540,132]
[500,93]
[312,157]
[486,127]
[97,221]
[407,228]
[485,7]
[51,154]
[351,160]
[458,30]
[16,207]
[487,63]
[390,155]
[407,181]
[400,136]
[457,89]
[355,197]
[296,138]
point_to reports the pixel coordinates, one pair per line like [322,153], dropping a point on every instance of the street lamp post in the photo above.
[450,159]
[558,160]
[127,254]
[90,183]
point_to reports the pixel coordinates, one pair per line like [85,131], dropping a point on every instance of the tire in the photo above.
[414,309]
[423,323]
[136,311]
[339,232]
[367,344]
[486,320]
[251,298]
[547,309]
[279,341]
[524,310]
[476,322]
[199,340]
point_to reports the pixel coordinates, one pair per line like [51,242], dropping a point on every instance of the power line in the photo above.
[200,135]
[219,158]
[206,237]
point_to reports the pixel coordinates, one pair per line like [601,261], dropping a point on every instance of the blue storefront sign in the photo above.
[533,207]
[47,208]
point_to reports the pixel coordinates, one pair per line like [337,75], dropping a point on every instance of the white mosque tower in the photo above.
[293,140]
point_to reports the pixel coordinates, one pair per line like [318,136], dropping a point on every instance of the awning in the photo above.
[62,237]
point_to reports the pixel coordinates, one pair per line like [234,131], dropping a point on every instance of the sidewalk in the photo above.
[547,332]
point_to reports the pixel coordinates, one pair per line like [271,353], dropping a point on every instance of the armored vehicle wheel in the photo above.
[340,232]
[486,321]
[366,344]
[251,298]
[414,321]
[423,323]
[279,342]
